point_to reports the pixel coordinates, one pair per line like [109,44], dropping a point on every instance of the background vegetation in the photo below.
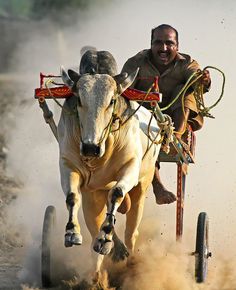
[38,9]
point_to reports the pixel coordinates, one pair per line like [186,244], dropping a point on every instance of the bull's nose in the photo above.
[91,150]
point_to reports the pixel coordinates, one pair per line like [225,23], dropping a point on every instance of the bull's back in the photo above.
[150,138]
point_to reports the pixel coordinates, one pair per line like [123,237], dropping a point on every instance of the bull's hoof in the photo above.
[103,246]
[72,239]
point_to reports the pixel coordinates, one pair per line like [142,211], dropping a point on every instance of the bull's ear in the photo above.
[65,78]
[74,76]
[124,80]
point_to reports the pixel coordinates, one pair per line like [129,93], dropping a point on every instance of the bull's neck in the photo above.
[123,109]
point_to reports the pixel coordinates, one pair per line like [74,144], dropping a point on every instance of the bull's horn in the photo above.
[124,80]
[65,78]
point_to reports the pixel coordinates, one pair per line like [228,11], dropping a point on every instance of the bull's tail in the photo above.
[119,251]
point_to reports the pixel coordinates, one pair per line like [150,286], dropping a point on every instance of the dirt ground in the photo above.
[10,241]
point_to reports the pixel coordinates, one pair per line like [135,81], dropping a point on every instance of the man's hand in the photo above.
[206,79]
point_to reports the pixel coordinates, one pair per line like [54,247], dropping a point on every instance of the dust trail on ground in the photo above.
[158,265]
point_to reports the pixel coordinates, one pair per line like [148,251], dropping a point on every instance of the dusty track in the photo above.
[10,240]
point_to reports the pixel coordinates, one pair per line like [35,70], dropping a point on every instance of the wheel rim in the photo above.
[202,248]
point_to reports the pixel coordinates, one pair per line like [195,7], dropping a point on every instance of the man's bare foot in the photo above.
[165,197]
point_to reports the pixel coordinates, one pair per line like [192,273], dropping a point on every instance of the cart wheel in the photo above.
[202,248]
[47,237]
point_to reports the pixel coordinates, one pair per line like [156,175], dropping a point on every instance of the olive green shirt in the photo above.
[170,82]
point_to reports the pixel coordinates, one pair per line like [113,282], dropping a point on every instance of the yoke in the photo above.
[60,91]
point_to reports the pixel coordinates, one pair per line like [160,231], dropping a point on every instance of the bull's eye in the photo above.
[78,102]
[112,102]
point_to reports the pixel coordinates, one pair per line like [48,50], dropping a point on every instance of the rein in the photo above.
[135,111]
[108,129]
[198,94]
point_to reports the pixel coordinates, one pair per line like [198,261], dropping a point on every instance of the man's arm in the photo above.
[205,79]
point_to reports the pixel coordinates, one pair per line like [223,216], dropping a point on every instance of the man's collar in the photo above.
[179,57]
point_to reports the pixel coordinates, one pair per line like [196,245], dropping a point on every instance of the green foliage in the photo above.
[15,8]
[42,8]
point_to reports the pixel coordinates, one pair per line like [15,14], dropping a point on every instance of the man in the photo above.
[173,69]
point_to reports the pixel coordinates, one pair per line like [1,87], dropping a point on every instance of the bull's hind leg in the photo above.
[70,181]
[94,219]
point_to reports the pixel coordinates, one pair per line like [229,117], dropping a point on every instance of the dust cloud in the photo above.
[123,28]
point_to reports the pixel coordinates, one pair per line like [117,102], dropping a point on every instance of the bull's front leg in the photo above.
[70,181]
[127,179]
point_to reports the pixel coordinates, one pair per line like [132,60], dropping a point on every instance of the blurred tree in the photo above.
[15,8]
[42,8]
[38,9]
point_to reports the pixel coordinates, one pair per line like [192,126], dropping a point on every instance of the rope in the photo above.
[107,129]
[55,100]
[153,140]
[185,88]
[135,111]
[168,130]
[166,127]
[198,93]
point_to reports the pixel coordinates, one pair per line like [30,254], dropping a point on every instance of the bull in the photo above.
[105,155]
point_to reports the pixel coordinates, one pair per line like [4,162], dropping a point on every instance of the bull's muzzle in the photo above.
[91,150]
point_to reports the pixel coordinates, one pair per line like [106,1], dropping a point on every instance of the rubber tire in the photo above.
[202,248]
[47,236]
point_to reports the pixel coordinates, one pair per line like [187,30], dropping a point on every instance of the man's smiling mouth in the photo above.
[163,55]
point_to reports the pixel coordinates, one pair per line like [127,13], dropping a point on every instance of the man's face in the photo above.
[164,46]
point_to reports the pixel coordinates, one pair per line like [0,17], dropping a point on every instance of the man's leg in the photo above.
[180,119]
[163,196]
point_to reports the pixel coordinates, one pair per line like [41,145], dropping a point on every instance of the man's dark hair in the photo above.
[165,26]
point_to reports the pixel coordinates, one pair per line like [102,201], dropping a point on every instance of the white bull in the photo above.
[102,158]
